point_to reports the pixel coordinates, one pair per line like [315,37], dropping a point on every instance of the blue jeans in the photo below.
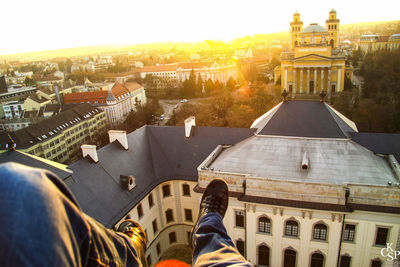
[212,244]
[41,224]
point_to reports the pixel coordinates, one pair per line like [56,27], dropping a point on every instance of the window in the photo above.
[291,228]
[155,227]
[264,225]
[172,237]
[186,190]
[140,211]
[189,237]
[240,247]
[188,215]
[348,234]
[151,202]
[239,218]
[317,260]
[320,231]
[376,263]
[169,215]
[289,259]
[148,260]
[345,261]
[158,247]
[263,255]
[166,190]
[381,236]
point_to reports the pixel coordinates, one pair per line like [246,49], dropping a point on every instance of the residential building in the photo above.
[117,102]
[13,109]
[206,70]
[59,137]
[314,62]
[167,71]
[18,94]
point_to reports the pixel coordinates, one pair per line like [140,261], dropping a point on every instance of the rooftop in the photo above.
[314,27]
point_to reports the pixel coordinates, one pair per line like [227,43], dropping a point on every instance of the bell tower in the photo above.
[296,26]
[332,25]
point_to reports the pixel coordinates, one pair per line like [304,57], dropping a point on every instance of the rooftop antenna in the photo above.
[10,144]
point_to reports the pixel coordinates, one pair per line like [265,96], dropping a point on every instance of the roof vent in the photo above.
[127,181]
[189,122]
[90,150]
[120,136]
[305,162]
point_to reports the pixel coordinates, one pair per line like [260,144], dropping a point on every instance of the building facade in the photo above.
[373,42]
[58,138]
[314,62]
[214,72]
[118,101]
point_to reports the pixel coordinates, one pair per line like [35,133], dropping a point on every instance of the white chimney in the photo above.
[127,181]
[305,161]
[120,136]
[189,122]
[90,150]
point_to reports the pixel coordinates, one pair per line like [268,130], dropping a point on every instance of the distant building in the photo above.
[207,70]
[373,42]
[314,62]
[59,137]
[118,101]
[3,85]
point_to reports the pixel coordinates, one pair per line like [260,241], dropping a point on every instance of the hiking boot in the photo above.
[135,232]
[215,198]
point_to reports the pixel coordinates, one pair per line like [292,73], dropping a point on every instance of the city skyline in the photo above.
[44,25]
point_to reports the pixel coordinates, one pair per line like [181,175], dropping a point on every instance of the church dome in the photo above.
[332,11]
[314,27]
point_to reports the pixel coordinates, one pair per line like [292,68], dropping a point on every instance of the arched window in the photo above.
[332,43]
[376,263]
[289,259]
[263,255]
[291,228]
[296,43]
[345,261]
[264,225]
[317,260]
[320,232]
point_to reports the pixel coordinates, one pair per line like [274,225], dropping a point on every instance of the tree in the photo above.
[28,81]
[231,84]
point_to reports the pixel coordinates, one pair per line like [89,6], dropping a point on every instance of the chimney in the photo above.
[189,122]
[120,136]
[305,161]
[57,94]
[90,150]
[127,181]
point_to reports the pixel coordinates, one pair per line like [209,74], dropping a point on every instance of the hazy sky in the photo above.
[34,25]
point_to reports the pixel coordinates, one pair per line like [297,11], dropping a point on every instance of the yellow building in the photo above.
[314,62]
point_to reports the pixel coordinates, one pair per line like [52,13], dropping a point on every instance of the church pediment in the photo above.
[313,57]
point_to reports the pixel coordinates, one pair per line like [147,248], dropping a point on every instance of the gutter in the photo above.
[347,194]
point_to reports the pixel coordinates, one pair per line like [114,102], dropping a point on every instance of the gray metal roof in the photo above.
[331,161]
[305,119]
[314,27]
[380,143]
[156,154]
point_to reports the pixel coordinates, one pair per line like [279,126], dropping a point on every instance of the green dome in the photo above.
[296,14]
[314,27]
[332,11]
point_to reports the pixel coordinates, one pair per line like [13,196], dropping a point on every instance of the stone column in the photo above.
[301,80]
[329,89]
[338,78]
[322,79]
[286,81]
[308,80]
[315,80]
[294,81]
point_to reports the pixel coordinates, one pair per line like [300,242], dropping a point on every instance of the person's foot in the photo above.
[215,198]
[135,232]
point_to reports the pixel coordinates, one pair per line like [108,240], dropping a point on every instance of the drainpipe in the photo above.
[341,234]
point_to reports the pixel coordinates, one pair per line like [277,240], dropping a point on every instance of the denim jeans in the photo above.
[212,244]
[41,224]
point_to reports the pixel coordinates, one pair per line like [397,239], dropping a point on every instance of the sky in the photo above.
[53,24]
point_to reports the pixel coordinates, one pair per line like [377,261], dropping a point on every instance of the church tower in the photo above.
[332,25]
[296,26]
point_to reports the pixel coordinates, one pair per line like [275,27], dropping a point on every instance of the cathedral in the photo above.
[314,62]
